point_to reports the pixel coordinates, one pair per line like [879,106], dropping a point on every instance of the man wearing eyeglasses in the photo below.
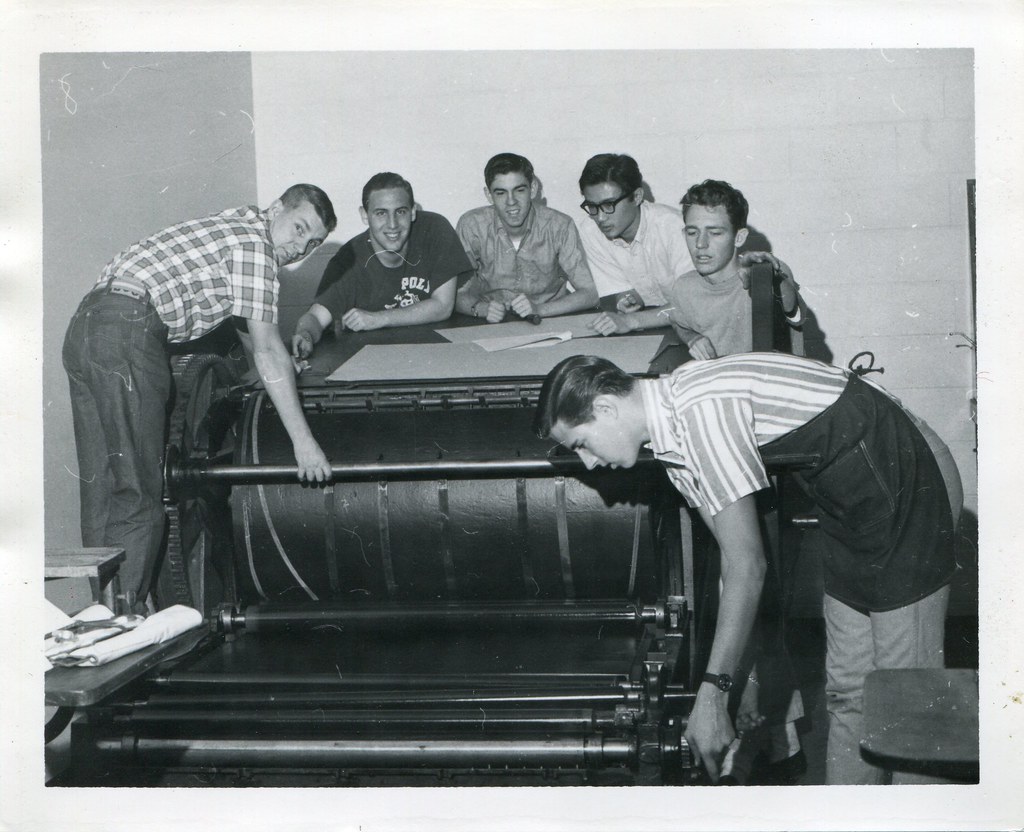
[170,288]
[634,248]
[527,257]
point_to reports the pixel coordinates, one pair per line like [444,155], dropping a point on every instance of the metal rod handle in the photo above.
[477,719]
[589,752]
[263,618]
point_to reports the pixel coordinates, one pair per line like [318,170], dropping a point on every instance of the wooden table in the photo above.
[99,565]
[82,686]
[923,721]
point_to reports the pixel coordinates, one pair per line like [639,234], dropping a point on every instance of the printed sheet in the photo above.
[401,362]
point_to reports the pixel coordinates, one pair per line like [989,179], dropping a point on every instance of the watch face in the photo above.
[722,681]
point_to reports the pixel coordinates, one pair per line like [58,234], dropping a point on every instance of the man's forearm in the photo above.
[796,316]
[427,311]
[465,299]
[741,593]
[277,373]
[738,534]
[579,301]
[651,318]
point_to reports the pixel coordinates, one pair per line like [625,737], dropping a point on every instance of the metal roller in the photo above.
[426,751]
[625,694]
[441,719]
[434,504]
[391,615]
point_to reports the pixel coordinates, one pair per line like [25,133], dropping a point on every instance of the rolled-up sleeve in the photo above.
[469,235]
[571,257]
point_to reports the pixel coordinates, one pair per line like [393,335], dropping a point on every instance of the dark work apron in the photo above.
[881,498]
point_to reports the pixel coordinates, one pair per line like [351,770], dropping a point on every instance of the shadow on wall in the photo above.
[540,199]
[814,336]
[310,271]
[963,599]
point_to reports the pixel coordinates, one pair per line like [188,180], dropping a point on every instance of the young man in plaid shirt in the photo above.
[173,287]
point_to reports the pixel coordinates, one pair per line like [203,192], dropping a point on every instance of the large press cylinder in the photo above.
[495,533]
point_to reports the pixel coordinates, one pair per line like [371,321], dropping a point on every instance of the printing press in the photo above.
[463,604]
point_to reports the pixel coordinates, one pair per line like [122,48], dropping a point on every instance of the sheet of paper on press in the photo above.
[520,342]
[577,325]
[405,362]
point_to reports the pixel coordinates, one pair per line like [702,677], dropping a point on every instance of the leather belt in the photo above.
[124,286]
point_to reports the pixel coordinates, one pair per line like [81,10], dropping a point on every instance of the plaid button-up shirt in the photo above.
[200,272]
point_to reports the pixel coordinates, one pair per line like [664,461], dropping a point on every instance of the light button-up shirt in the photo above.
[549,255]
[649,264]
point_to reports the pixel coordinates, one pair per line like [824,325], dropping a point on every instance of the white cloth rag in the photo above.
[97,612]
[158,628]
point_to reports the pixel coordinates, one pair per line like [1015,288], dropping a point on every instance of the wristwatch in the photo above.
[722,681]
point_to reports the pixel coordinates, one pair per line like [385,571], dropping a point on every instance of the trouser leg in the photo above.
[116,359]
[849,657]
[911,637]
[133,415]
[93,471]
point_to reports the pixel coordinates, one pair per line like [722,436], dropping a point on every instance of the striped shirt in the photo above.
[708,419]
[200,272]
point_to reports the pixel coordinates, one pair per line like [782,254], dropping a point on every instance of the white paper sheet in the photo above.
[578,325]
[518,342]
[402,362]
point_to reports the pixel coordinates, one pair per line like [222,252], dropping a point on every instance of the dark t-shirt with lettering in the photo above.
[356,279]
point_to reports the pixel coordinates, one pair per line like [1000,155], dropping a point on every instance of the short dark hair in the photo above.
[384,182]
[617,168]
[568,392]
[297,194]
[507,163]
[714,192]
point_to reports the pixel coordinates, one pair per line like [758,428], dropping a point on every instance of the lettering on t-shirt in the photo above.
[413,290]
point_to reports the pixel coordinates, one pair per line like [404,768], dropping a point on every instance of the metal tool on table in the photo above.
[120,623]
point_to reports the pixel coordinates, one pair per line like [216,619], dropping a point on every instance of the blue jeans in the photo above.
[116,360]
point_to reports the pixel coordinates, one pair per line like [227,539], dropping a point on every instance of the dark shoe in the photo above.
[785,772]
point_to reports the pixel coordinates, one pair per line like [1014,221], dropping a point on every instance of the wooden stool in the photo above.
[99,565]
[923,721]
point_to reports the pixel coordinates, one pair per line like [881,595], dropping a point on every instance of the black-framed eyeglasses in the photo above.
[607,207]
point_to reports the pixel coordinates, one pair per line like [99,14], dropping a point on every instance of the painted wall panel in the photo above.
[130,143]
